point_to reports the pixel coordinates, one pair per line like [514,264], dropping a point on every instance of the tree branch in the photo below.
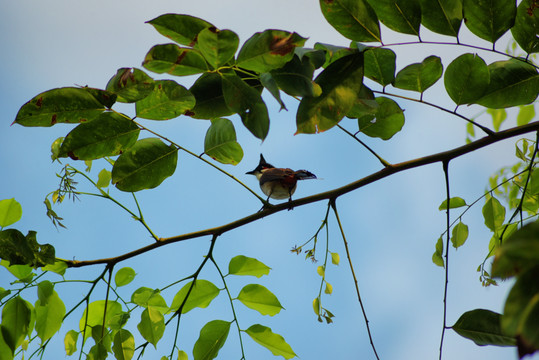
[332,194]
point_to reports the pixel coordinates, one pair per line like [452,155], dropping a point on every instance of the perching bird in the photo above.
[278,183]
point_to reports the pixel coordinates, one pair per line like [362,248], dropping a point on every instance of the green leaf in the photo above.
[333,52]
[50,312]
[201,295]
[354,19]
[454,202]
[268,50]
[498,117]
[442,16]
[420,76]
[296,77]
[329,288]
[151,325]
[520,251]
[403,16]
[211,339]
[243,265]
[467,79]
[16,316]
[130,85]
[96,313]
[247,102]
[124,276]
[108,135]
[167,101]
[124,345]
[438,256]
[271,341]
[489,19]
[525,114]
[10,212]
[316,306]
[145,165]
[526,26]
[341,83]
[271,85]
[70,342]
[64,105]
[182,355]
[147,297]
[493,213]
[182,29]
[217,46]
[24,250]
[22,272]
[521,311]
[174,60]
[220,142]
[321,271]
[483,328]
[387,121]
[5,351]
[259,298]
[103,178]
[459,235]
[512,82]
[380,65]
[210,101]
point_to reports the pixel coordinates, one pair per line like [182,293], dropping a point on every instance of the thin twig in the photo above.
[385,163]
[444,326]
[334,207]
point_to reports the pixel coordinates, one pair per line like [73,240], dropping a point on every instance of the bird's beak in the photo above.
[250,172]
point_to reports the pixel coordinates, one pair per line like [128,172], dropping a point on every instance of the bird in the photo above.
[278,183]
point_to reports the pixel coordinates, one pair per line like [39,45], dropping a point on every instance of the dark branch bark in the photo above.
[332,194]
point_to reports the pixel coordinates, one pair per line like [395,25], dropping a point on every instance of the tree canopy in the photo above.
[174,131]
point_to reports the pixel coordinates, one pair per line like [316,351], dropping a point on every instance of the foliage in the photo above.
[330,84]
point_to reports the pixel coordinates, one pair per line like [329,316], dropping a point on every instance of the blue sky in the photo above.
[391,226]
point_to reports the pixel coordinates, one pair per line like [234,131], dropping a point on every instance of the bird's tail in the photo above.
[304,174]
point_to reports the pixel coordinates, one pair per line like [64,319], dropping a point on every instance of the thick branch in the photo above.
[332,194]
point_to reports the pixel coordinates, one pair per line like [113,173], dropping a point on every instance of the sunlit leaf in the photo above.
[10,212]
[124,345]
[70,342]
[493,213]
[145,165]
[93,315]
[498,117]
[124,276]
[454,202]
[243,265]
[151,325]
[50,311]
[201,295]
[259,298]
[271,341]
[459,235]
[437,257]
[211,339]
[335,258]
[354,19]
[525,114]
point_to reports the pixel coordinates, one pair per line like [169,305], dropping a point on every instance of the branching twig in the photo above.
[448,224]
